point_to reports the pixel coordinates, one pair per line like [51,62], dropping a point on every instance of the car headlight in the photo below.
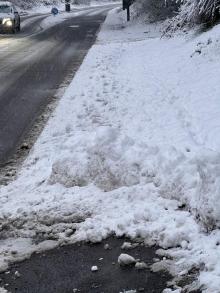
[7,21]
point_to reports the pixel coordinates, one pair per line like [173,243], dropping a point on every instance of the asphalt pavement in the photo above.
[34,64]
[67,269]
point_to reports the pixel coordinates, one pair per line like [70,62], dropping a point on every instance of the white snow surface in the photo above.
[132,149]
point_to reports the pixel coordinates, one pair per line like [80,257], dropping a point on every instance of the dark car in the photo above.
[9,17]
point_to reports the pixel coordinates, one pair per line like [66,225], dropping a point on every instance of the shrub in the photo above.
[200,11]
[157,9]
[186,11]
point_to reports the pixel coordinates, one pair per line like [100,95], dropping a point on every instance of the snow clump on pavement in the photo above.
[141,266]
[94,268]
[129,245]
[126,259]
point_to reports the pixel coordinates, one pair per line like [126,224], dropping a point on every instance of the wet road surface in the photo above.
[69,267]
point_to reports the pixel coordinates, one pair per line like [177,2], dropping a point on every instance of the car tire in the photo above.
[13,29]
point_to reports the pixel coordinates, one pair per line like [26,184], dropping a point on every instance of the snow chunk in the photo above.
[17,274]
[141,266]
[126,259]
[172,291]
[128,245]
[107,246]
[94,268]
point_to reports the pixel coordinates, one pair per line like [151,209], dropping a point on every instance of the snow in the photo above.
[172,291]
[107,247]
[126,259]
[94,269]
[128,245]
[17,274]
[141,266]
[132,149]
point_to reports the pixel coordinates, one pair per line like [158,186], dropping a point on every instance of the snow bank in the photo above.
[111,160]
[132,149]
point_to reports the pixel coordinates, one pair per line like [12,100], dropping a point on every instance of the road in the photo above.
[34,64]
[69,267]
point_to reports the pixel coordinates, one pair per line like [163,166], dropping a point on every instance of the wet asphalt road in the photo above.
[33,65]
[69,267]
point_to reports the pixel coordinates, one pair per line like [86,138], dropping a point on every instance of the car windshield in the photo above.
[5,9]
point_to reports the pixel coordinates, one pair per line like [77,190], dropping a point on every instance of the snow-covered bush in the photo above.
[156,9]
[199,11]
[194,12]
[184,12]
[27,4]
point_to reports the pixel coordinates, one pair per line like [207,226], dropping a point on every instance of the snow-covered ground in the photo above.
[41,8]
[132,149]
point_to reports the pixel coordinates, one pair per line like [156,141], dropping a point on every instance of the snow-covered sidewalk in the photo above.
[131,149]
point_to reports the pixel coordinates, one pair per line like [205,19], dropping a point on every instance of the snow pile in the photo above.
[107,160]
[111,160]
[132,149]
